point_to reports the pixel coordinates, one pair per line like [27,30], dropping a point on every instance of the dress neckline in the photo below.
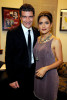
[45,42]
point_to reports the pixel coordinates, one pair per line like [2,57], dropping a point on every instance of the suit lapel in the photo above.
[21,36]
[20,32]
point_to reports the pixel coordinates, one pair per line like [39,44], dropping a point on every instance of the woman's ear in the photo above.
[51,24]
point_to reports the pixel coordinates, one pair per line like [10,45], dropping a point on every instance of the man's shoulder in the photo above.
[35,28]
[13,32]
[14,29]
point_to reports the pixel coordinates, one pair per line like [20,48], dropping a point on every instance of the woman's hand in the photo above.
[41,72]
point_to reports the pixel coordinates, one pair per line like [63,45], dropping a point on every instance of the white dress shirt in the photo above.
[25,30]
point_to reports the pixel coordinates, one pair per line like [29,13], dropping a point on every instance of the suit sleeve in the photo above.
[9,57]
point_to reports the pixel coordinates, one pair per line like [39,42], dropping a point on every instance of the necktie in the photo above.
[29,47]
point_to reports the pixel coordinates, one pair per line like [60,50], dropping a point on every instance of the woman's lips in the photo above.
[43,29]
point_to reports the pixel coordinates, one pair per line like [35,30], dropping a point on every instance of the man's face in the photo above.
[27,18]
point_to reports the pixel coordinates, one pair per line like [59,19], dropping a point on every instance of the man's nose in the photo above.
[27,18]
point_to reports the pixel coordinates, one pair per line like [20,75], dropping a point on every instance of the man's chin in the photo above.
[28,27]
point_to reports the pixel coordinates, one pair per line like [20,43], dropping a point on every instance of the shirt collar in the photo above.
[25,29]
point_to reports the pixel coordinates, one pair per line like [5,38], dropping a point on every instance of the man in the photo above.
[17,56]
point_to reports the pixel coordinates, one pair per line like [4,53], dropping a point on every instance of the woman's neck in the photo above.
[45,35]
[45,38]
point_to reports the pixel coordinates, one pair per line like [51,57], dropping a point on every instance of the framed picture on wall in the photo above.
[10,18]
[63,20]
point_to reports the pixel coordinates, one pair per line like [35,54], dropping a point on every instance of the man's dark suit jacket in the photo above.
[16,55]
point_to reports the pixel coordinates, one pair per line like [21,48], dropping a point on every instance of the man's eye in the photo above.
[24,16]
[31,16]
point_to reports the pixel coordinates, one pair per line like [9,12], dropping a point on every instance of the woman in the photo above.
[48,55]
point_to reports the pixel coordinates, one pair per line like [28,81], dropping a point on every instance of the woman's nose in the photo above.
[43,25]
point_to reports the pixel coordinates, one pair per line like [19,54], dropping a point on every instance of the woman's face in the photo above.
[44,25]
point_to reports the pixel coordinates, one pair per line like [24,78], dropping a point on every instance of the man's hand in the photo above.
[14,84]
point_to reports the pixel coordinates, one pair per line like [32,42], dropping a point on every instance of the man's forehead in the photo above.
[27,12]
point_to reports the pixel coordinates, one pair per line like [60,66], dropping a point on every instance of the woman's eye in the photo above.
[47,22]
[40,22]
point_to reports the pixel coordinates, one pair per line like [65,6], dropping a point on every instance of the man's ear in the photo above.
[20,17]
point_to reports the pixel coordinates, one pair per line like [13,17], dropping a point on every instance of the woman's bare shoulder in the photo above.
[56,40]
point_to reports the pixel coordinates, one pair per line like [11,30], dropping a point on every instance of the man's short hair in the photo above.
[27,7]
